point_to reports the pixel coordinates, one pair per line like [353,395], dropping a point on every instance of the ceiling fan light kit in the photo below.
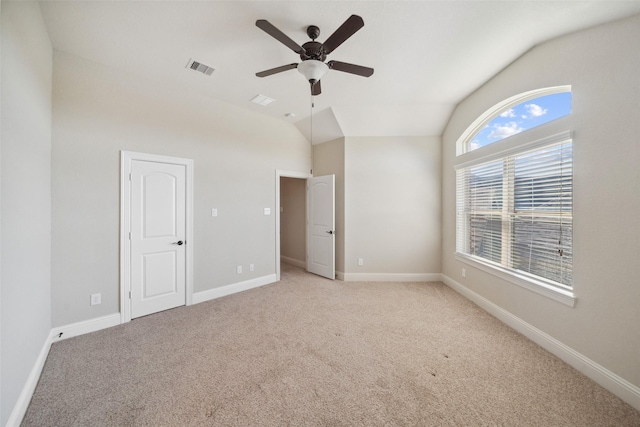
[313,70]
[313,53]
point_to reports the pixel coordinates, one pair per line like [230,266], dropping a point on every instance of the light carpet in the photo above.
[308,351]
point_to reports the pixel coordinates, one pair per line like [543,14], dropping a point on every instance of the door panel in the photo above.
[158,224]
[321,226]
[321,250]
[159,274]
[159,197]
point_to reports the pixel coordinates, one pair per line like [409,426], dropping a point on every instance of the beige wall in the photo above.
[392,213]
[26,197]
[293,218]
[99,111]
[602,66]
[328,159]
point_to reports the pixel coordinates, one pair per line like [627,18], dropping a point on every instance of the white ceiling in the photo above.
[427,55]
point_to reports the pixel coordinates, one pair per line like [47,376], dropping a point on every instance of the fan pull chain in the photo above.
[311,131]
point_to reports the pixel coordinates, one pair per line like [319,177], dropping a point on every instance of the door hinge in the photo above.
[129,235]
[129,294]
[129,176]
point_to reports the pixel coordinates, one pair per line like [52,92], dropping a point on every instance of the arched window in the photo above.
[514,199]
[515,115]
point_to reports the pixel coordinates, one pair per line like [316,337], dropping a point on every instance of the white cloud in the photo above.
[535,110]
[504,130]
[508,113]
[474,145]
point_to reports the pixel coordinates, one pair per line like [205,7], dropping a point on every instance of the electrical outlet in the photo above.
[214,212]
[251,267]
[464,273]
[239,269]
[96,299]
[360,261]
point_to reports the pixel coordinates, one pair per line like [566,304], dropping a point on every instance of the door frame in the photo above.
[126,158]
[283,174]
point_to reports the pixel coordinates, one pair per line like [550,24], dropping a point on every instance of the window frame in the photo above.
[549,133]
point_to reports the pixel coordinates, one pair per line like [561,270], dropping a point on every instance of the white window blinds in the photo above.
[515,210]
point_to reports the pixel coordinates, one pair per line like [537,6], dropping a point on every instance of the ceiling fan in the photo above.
[313,53]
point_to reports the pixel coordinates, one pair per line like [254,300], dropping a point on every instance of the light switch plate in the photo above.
[214,212]
[96,299]
[267,211]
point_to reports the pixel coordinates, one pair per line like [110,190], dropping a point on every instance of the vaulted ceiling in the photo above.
[427,55]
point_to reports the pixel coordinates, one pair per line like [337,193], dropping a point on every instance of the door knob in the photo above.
[179,242]
[330,232]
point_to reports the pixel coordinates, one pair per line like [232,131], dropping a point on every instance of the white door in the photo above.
[321,244]
[158,236]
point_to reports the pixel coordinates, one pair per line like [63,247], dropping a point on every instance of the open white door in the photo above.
[321,242]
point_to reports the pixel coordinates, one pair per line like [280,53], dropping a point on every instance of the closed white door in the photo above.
[321,244]
[158,236]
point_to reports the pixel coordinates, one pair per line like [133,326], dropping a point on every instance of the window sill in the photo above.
[565,297]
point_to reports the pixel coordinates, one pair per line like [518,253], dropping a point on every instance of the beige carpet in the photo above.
[313,352]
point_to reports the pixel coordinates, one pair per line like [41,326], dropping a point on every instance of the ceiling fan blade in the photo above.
[346,30]
[350,68]
[268,28]
[316,89]
[266,73]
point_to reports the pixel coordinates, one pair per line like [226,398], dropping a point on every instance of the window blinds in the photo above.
[516,211]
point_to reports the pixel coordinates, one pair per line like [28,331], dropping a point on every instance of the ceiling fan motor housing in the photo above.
[313,50]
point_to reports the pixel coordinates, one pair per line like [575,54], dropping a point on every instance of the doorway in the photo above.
[310,201]
[293,227]
[295,215]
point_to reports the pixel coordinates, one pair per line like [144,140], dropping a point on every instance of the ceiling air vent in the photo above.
[262,100]
[197,66]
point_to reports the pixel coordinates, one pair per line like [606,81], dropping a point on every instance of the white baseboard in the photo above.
[20,408]
[601,375]
[390,277]
[222,291]
[86,326]
[293,261]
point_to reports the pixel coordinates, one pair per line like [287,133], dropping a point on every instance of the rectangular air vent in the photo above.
[262,100]
[198,66]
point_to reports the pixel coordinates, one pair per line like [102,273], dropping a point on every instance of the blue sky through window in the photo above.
[523,116]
